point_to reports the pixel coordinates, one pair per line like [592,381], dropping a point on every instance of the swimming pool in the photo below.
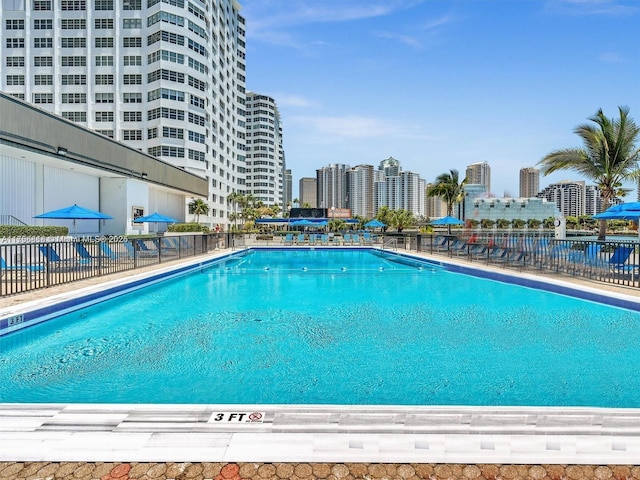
[350,327]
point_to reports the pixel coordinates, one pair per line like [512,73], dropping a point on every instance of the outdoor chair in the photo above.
[367,239]
[346,239]
[288,239]
[355,239]
[324,239]
[85,256]
[54,261]
[618,262]
[19,268]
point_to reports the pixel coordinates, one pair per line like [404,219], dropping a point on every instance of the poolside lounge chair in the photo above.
[618,261]
[109,253]
[301,240]
[54,260]
[355,239]
[19,268]
[367,239]
[137,251]
[346,239]
[85,256]
[324,239]
[288,239]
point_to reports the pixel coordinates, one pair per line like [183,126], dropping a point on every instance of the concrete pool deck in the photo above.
[425,435]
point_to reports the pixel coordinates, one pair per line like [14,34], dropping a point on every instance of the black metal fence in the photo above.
[26,266]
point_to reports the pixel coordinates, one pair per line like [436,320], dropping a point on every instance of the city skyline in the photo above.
[440,85]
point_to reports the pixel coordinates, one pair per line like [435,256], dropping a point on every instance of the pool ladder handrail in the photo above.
[392,241]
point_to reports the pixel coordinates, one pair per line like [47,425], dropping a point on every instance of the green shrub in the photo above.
[32,231]
[188,227]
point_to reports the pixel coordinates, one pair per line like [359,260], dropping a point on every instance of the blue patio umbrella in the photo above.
[375,223]
[74,212]
[447,221]
[302,223]
[155,218]
[624,211]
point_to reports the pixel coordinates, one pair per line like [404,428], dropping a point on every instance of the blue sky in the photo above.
[440,84]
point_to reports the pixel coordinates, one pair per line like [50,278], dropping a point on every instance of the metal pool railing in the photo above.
[27,266]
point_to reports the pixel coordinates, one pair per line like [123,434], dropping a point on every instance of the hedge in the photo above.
[32,231]
[188,227]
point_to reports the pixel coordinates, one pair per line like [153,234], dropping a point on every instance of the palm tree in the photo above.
[448,187]
[402,219]
[234,198]
[609,156]
[198,207]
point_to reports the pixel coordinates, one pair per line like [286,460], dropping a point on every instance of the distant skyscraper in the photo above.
[529,182]
[390,167]
[308,192]
[573,198]
[332,186]
[405,191]
[360,190]
[287,196]
[435,207]
[479,174]
[264,166]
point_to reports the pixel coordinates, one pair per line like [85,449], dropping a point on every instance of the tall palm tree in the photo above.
[234,198]
[609,156]
[448,187]
[198,207]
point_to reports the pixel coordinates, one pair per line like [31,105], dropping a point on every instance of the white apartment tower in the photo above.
[529,182]
[332,186]
[265,166]
[405,191]
[360,190]
[573,198]
[479,174]
[164,76]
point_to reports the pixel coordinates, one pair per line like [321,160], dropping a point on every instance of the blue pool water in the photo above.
[329,327]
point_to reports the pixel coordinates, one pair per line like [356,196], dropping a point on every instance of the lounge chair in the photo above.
[300,240]
[346,239]
[619,258]
[355,239]
[288,239]
[324,239]
[85,256]
[137,251]
[19,268]
[367,239]
[53,260]
[109,253]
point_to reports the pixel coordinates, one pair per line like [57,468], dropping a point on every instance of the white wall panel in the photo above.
[18,188]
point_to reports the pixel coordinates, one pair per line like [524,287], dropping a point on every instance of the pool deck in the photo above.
[322,433]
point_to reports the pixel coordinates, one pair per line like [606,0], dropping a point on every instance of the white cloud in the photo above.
[348,127]
[611,57]
[593,7]
[292,100]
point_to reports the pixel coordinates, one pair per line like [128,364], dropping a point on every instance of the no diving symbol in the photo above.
[255,417]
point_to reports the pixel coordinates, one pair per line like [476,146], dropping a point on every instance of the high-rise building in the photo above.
[390,167]
[360,190]
[265,166]
[405,191]
[434,207]
[479,173]
[573,198]
[287,194]
[332,186]
[165,77]
[308,192]
[529,182]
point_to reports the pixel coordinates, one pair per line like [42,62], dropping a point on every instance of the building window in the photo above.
[132,60]
[196,137]
[132,5]
[104,97]
[152,133]
[74,24]
[104,5]
[103,23]
[42,24]
[43,61]
[75,5]
[104,79]
[15,79]
[15,43]
[75,116]
[104,42]
[170,132]
[15,62]
[104,61]
[74,79]
[14,24]
[196,101]
[166,93]
[132,116]
[131,23]
[43,42]
[43,79]
[131,135]
[166,17]
[200,67]
[165,112]
[106,133]
[73,61]
[43,98]
[74,98]
[132,42]
[196,119]
[42,5]
[73,42]
[132,79]
[196,47]
[196,155]
[132,97]
[104,116]
[194,82]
